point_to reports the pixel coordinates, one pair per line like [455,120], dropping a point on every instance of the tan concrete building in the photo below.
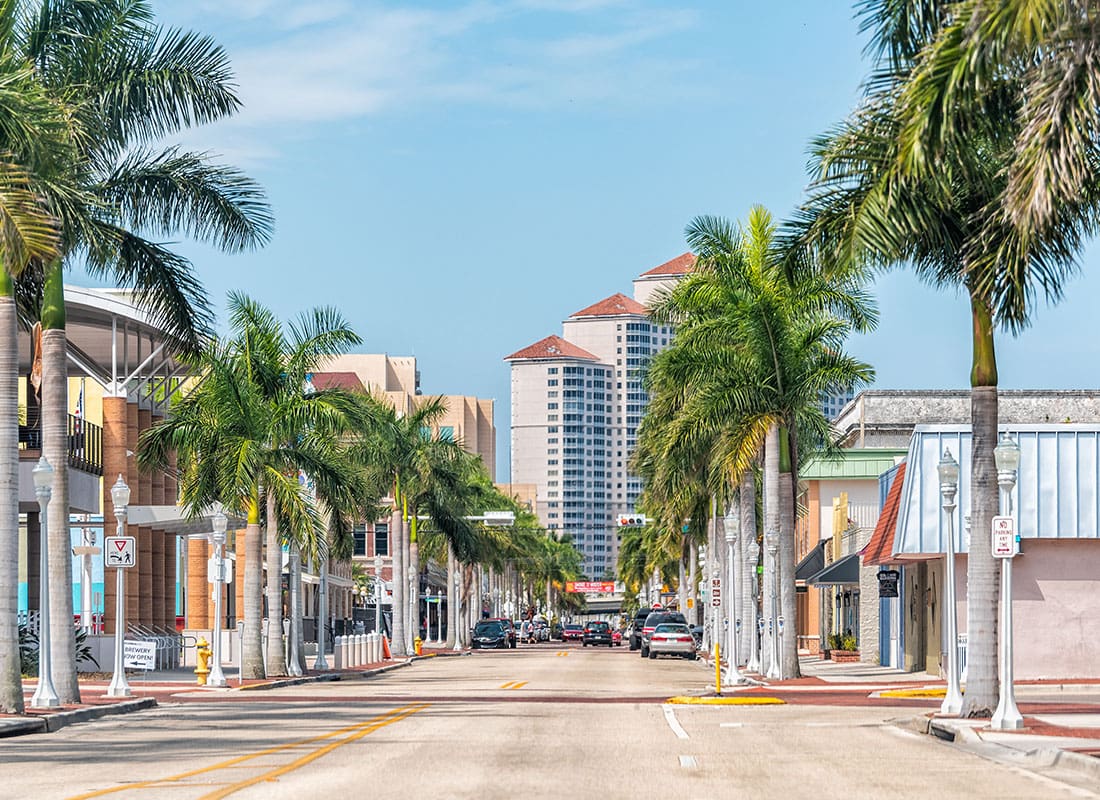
[577,401]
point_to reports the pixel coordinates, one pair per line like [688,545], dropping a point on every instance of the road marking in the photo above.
[309,757]
[563,653]
[519,685]
[391,715]
[688,762]
[731,724]
[673,723]
[507,685]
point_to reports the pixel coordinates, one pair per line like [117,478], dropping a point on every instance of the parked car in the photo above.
[616,637]
[697,632]
[595,633]
[658,618]
[637,625]
[508,626]
[489,633]
[672,639]
[572,633]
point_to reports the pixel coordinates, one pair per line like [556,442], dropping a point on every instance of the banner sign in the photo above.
[590,587]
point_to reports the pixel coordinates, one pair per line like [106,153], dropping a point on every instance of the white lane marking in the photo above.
[670,717]
[731,724]
[688,762]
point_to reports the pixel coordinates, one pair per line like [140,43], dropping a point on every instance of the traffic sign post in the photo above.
[632,520]
[1006,544]
[119,551]
[716,592]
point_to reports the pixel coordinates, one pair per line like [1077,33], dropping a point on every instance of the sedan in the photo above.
[490,634]
[673,639]
[572,633]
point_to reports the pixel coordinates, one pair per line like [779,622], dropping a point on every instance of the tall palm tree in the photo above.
[250,428]
[948,225]
[758,342]
[124,84]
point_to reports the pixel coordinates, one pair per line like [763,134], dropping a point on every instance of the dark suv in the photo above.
[637,625]
[652,621]
[596,633]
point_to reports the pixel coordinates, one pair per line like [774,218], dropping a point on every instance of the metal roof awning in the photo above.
[811,564]
[841,572]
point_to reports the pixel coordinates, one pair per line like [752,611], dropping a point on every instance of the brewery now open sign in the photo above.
[888,583]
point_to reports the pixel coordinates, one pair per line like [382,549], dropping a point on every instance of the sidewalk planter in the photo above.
[843,656]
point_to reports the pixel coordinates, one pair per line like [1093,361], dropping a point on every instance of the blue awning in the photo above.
[839,573]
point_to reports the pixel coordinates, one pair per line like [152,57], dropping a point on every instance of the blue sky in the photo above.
[458,177]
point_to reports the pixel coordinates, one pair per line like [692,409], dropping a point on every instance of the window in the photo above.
[359,532]
[552,371]
[381,539]
[447,433]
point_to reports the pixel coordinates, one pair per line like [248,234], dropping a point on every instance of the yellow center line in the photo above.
[240,759]
[507,685]
[520,685]
[309,757]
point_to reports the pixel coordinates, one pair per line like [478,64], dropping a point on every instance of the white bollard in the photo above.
[362,649]
[338,652]
[375,649]
[354,658]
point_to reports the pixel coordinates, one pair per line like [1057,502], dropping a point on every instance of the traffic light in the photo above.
[632,520]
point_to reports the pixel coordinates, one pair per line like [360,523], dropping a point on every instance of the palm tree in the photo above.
[250,428]
[123,84]
[948,224]
[758,341]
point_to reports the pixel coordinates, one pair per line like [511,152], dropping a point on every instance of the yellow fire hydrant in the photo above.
[418,646]
[202,655]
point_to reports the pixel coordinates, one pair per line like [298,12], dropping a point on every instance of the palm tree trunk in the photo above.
[276,653]
[410,599]
[771,531]
[748,568]
[414,580]
[252,651]
[397,646]
[55,447]
[11,686]
[681,567]
[735,595]
[693,582]
[296,657]
[983,582]
[787,596]
[452,598]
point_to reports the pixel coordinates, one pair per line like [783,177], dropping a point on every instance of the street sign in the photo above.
[1005,542]
[590,587]
[499,518]
[86,550]
[715,592]
[119,551]
[212,570]
[632,520]
[139,655]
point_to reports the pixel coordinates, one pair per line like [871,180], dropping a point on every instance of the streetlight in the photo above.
[322,612]
[771,542]
[732,526]
[220,522]
[428,616]
[120,499]
[378,594]
[753,664]
[44,695]
[1006,455]
[948,470]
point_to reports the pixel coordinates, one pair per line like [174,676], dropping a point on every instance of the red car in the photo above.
[616,637]
[572,633]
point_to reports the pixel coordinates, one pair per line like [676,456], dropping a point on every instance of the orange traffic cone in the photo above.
[386,655]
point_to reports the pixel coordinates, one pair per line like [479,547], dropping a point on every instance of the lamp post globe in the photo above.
[1006,455]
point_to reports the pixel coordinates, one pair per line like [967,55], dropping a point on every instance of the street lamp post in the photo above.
[44,695]
[1007,716]
[220,523]
[120,499]
[322,612]
[733,622]
[753,547]
[378,594]
[775,669]
[948,470]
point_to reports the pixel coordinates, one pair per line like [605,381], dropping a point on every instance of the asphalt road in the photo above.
[542,721]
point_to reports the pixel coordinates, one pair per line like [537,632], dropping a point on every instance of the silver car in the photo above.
[673,639]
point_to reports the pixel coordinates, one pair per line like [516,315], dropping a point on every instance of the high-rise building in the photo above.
[833,404]
[577,401]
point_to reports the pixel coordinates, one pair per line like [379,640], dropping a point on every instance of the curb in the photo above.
[50,723]
[328,677]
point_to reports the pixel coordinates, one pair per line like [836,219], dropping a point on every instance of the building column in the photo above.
[146,610]
[199,611]
[240,549]
[115,438]
[171,548]
[160,545]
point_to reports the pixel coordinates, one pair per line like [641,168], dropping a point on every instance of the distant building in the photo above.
[577,401]
[833,404]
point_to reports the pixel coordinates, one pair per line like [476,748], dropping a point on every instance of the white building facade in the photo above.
[577,401]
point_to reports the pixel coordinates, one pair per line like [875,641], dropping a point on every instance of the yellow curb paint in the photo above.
[746,700]
[913,693]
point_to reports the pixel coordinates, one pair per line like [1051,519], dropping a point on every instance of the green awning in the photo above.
[841,572]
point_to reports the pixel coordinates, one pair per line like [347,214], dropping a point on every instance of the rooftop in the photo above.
[683,264]
[551,348]
[616,305]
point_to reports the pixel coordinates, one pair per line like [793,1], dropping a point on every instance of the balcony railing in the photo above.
[85,443]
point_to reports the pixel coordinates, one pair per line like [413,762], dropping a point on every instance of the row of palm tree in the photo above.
[92,89]
[972,159]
